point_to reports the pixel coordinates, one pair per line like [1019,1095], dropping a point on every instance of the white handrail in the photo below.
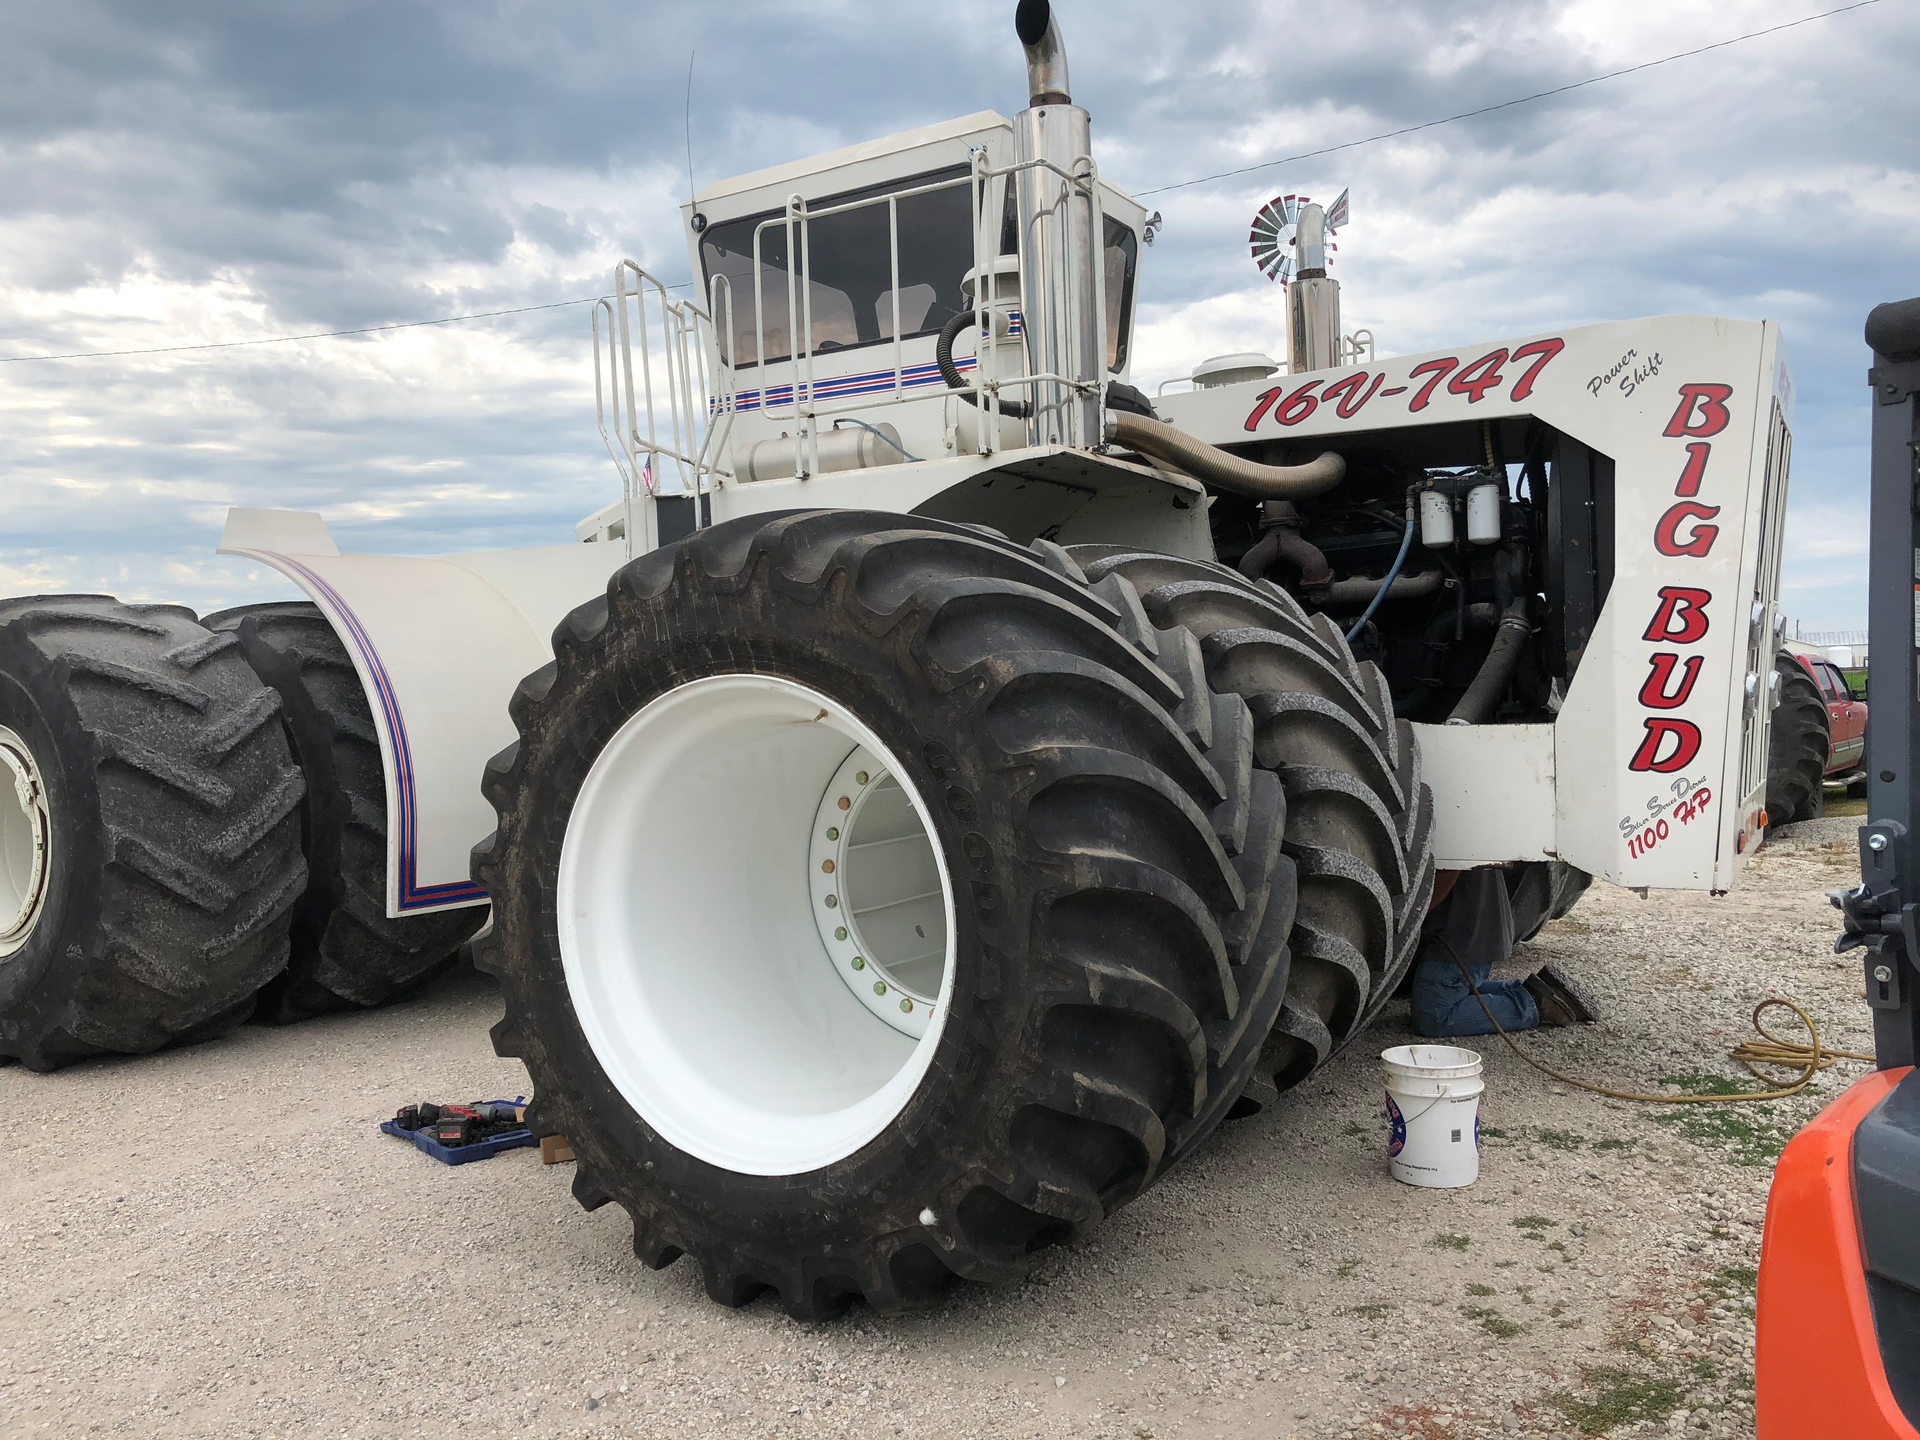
[695,428]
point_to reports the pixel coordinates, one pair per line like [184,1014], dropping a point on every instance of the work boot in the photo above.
[1558,1001]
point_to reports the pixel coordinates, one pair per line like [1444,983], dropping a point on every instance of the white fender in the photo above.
[439,645]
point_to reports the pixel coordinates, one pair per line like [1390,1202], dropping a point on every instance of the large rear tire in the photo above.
[347,952]
[1359,819]
[149,831]
[765,1070]
[1798,745]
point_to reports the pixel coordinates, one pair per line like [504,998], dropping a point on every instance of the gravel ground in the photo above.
[218,1242]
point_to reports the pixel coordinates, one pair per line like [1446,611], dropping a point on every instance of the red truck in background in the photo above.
[1819,735]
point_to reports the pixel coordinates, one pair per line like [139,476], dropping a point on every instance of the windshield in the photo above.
[850,271]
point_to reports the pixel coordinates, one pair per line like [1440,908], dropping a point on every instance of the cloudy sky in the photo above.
[213,170]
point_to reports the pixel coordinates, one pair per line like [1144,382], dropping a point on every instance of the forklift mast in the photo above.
[1880,916]
[1837,1348]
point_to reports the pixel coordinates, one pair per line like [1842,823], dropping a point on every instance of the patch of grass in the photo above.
[1223,1332]
[1838,804]
[1620,1397]
[1478,1289]
[1699,1082]
[1744,1276]
[1559,1245]
[1505,1264]
[1492,1321]
[1534,1224]
[1749,1137]
[1450,1242]
[1729,1282]
[1347,1267]
[1611,1144]
[1572,925]
[1373,1310]
[1561,1139]
[1703,1369]
[1492,1132]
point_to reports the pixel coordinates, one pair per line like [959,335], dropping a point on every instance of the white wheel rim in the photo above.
[26,843]
[691,936]
[877,897]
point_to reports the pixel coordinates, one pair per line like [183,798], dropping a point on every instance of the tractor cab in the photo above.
[828,280]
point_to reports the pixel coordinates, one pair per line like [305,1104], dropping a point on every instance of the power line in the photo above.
[316,335]
[1509,104]
[1157,190]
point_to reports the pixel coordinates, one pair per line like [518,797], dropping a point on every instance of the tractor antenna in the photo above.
[689,123]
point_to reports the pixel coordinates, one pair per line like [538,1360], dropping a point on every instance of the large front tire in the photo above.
[1079,844]
[149,831]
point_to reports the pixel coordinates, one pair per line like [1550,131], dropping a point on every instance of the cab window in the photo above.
[851,289]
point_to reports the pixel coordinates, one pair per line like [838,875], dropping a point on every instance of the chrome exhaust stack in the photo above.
[1039,32]
[1313,299]
[1060,243]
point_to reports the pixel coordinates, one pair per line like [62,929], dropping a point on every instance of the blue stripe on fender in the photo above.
[413,895]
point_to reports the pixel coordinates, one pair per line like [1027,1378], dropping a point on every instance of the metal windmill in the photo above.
[1275,227]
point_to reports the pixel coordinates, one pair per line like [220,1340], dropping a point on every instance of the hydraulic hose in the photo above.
[949,372]
[1406,544]
[1218,468]
[1496,671]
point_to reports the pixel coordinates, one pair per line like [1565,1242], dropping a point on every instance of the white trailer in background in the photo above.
[943,784]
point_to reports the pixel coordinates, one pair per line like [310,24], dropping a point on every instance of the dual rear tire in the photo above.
[149,830]
[1107,877]
[192,830]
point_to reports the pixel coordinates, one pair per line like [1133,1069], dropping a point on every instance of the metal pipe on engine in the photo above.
[1283,541]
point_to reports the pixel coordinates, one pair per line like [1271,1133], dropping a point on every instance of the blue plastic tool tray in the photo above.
[465,1154]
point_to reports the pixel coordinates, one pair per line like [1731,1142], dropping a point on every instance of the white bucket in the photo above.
[1433,1114]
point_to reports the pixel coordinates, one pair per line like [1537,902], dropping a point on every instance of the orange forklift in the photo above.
[1838,1343]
